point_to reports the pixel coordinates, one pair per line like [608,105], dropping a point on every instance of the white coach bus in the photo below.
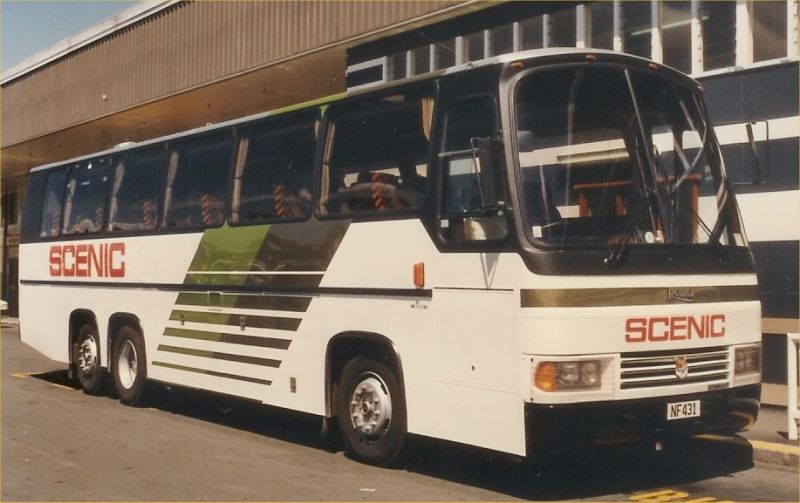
[538,251]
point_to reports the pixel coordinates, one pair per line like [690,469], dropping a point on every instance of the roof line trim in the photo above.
[69,45]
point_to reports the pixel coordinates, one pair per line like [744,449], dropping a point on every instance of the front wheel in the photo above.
[87,360]
[372,415]
[129,366]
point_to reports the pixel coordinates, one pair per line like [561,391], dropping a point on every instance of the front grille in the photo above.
[652,370]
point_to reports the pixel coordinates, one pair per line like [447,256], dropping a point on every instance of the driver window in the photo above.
[464,215]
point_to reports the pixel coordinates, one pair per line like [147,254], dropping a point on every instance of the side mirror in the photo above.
[489,154]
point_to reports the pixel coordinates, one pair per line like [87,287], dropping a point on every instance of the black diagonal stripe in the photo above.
[213,373]
[235,320]
[251,360]
[248,340]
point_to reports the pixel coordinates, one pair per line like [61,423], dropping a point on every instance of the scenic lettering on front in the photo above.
[674,328]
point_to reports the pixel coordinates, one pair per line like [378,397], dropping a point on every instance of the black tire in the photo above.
[129,366]
[371,412]
[87,360]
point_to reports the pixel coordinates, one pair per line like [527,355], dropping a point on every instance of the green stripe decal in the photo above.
[235,320]
[251,360]
[247,340]
[212,373]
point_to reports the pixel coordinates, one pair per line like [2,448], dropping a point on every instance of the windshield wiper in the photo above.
[617,248]
[714,234]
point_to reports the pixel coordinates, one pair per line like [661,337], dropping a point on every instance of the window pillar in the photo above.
[656,45]
[697,39]
[617,26]
[546,30]
[582,34]
[516,36]
[792,35]
[744,33]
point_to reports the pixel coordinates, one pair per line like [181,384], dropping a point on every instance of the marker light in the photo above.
[419,274]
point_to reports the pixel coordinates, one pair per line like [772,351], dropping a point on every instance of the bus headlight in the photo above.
[568,375]
[748,360]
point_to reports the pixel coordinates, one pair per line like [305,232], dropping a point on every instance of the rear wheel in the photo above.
[129,366]
[87,360]
[372,415]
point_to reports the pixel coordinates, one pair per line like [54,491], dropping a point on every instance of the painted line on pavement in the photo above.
[756,444]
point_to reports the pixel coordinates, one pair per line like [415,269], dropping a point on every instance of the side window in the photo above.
[376,158]
[273,178]
[198,182]
[463,214]
[51,207]
[85,204]
[136,193]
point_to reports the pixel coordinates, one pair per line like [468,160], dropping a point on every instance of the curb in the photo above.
[775,454]
[770,453]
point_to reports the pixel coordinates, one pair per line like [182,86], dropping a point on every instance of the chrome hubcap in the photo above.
[371,407]
[126,364]
[87,356]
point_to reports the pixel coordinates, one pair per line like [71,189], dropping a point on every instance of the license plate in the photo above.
[681,410]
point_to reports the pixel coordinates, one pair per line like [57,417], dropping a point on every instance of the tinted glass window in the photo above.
[198,182]
[136,193]
[562,28]
[463,217]
[636,25]
[676,32]
[719,34]
[769,30]
[601,15]
[274,181]
[85,204]
[378,160]
[51,208]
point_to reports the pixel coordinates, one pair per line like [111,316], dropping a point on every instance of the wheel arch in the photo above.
[347,345]
[117,321]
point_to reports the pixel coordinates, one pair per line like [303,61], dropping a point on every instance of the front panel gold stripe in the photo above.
[606,297]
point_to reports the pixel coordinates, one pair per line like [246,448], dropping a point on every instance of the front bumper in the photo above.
[556,428]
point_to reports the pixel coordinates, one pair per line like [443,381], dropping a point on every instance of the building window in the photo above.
[769,30]
[676,29]
[397,66]
[532,36]
[637,28]
[445,54]
[473,46]
[422,60]
[601,25]
[502,38]
[719,34]
[562,28]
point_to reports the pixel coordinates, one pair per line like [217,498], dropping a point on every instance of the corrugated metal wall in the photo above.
[182,47]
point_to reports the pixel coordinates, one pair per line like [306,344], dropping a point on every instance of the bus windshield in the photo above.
[611,156]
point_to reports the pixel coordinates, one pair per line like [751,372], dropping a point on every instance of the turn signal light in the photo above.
[546,376]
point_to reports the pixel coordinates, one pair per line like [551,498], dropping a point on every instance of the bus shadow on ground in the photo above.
[59,377]
[600,472]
